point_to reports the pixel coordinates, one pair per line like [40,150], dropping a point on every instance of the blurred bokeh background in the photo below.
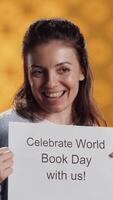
[95,19]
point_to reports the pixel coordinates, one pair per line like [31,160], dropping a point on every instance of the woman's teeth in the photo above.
[53,94]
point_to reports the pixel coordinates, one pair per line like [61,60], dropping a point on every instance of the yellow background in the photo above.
[95,18]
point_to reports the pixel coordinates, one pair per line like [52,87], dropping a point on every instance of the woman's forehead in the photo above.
[57,50]
[52,44]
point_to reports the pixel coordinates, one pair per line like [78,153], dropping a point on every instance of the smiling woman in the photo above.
[57,84]
[54,78]
[57,76]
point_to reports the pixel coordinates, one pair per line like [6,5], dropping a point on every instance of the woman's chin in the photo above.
[54,109]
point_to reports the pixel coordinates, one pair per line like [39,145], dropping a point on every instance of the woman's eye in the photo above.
[64,70]
[37,72]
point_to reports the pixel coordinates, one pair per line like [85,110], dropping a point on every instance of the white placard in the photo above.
[58,162]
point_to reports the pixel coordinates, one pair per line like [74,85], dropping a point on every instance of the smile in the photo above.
[53,94]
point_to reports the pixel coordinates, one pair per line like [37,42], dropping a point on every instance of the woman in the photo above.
[57,84]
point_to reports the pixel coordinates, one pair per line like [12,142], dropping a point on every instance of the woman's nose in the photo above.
[51,80]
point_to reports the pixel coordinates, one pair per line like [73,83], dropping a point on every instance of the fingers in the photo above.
[3,149]
[5,155]
[111,155]
[6,173]
[6,163]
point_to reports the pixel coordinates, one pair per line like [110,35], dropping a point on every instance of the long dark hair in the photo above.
[85,111]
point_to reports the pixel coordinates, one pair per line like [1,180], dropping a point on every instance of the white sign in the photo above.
[60,162]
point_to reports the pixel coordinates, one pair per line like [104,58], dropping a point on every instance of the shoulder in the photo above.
[6,117]
[6,114]
[11,115]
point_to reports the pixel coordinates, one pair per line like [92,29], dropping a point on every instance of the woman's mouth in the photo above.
[53,94]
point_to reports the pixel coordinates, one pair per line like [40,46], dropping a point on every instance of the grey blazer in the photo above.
[5,118]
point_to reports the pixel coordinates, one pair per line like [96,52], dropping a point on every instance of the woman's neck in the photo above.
[58,118]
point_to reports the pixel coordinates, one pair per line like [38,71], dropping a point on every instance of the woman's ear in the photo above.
[82,77]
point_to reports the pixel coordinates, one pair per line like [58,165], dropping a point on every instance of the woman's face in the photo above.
[54,74]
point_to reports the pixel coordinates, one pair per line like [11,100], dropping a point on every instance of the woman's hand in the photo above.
[6,163]
[111,155]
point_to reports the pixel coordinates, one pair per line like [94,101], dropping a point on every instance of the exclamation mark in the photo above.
[84,175]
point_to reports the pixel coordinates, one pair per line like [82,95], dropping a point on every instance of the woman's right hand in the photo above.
[6,163]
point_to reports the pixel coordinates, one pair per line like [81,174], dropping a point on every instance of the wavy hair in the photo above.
[85,111]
